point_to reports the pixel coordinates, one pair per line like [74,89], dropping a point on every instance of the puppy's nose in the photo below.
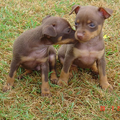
[80,36]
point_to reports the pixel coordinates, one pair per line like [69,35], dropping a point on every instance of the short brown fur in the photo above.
[89,51]
[33,50]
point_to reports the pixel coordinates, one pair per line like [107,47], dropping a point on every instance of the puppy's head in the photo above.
[56,30]
[89,21]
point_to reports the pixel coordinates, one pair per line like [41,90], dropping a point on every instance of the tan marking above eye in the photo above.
[78,21]
[89,21]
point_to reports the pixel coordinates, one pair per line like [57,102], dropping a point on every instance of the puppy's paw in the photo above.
[20,77]
[107,86]
[54,81]
[6,88]
[54,78]
[96,71]
[62,83]
[45,93]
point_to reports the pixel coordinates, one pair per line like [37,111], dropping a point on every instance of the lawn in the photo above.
[83,99]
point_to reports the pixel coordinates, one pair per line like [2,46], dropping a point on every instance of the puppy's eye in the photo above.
[68,31]
[92,25]
[76,24]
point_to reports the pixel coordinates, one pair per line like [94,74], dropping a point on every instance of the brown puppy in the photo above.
[32,50]
[89,50]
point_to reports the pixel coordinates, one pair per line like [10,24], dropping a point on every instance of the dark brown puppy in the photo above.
[32,50]
[89,50]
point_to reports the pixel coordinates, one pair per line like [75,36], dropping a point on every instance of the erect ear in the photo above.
[75,8]
[106,12]
[45,18]
[49,31]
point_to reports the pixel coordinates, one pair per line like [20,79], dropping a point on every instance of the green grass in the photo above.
[83,98]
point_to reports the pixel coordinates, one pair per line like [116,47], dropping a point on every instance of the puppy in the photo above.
[89,51]
[32,50]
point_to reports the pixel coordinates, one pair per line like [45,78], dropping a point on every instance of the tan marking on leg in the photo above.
[104,82]
[63,80]
[89,21]
[54,78]
[94,68]
[45,88]
[10,82]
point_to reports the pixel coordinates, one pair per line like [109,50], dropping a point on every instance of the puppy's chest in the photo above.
[87,56]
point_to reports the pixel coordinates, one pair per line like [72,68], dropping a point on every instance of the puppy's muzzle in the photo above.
[80,36]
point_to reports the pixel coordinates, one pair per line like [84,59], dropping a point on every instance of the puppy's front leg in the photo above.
[102,72]
[64,76]
[10,79]
[45,89]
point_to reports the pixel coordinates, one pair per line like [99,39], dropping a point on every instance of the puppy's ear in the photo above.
[75,8]
[49,31]
[106,12]
[45,18]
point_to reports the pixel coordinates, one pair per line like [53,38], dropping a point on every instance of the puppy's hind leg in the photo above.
[61,53]
[10,79]
[52,65]
[94,68]
[45,88]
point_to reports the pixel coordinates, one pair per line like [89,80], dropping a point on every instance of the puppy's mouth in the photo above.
[80,40]
[80,37]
